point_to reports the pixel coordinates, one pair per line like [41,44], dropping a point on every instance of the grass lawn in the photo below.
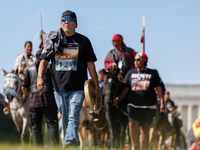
[31,147]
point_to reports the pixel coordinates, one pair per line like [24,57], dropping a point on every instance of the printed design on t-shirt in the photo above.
[68,61]
[140,82]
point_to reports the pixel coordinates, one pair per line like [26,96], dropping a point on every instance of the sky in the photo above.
[172,32]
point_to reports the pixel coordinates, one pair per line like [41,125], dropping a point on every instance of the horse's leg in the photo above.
[123,133]
[110,121]
[105,139]
[84,134]
[24,129]
[97,138]
[117,129]
[129,138]
[151,137]
[159,144]
[183,141]
[90,139]
[17,120]
[80,138]
[24,113]
[30,132]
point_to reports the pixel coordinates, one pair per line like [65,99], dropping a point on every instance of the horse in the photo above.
[19,107]
[161,130]
[85,134]
[101,129]
[116,116]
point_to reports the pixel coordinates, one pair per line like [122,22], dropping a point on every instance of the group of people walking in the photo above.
[59,86]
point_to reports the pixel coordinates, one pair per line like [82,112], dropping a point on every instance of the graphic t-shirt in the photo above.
[69,71]
[68,61]
[142,84]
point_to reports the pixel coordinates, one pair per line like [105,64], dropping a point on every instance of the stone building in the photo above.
[187,98]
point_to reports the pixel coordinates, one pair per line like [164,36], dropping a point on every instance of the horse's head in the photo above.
[12,85]
[111,86]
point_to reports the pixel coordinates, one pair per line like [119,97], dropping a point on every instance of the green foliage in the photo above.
[8,130]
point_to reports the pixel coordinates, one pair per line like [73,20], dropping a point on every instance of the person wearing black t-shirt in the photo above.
[71,54]
[141,108]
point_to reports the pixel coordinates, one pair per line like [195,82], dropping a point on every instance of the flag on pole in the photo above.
[143,35]
[142,38]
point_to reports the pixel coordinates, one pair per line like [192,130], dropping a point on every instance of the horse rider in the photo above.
[121,57]
[41,104]
[101,76]
[25,60]
[141,107]
[71,55]
[167,101]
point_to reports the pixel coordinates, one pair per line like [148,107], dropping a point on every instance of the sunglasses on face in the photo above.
[115,41]
[137,59]
[67,19]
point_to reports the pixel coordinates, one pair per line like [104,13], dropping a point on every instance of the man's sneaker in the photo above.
[68,145]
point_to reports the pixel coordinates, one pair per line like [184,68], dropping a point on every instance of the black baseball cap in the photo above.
[69,13]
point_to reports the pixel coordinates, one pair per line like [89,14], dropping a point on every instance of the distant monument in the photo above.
[187,98]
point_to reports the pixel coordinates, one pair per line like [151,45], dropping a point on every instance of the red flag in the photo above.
[142,38]
[197,145]
[143,35]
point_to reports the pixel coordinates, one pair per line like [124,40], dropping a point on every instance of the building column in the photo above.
[199,111]
[189,117]
[180,110]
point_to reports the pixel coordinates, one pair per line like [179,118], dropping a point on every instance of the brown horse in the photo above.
[101,129]
[161,130]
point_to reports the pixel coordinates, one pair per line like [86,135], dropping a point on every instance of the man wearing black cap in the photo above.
[71,54]
[168,102]
[41,104]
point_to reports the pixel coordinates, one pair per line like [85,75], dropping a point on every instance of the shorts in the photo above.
[142,115]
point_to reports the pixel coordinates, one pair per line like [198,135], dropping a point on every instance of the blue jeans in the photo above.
[69,105]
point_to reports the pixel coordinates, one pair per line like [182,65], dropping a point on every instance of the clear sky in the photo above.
[172,31]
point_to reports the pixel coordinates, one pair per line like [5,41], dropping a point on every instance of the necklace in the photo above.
[139,77]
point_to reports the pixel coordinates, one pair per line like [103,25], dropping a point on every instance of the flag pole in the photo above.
[41,20]
[144,34]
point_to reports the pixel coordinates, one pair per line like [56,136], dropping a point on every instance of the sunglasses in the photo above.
[137,59]
[115,41]
[67,19]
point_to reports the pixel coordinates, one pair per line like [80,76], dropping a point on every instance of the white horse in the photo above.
[19,107]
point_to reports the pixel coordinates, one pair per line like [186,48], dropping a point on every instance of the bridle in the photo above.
[12,76]
[117,88]
[18,89]
[20,106]
[99,129]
